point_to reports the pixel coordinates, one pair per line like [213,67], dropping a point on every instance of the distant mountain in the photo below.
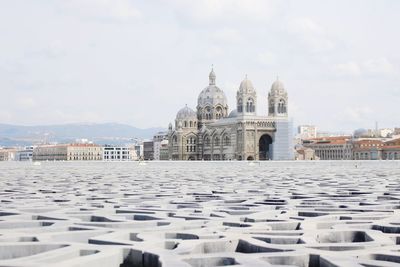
[102,133]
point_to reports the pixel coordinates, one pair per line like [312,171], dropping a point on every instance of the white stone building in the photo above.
[212,134]
[117,153]
[68,152]
[24,154]
[157,139]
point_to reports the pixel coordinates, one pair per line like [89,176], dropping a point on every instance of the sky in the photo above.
[139,62]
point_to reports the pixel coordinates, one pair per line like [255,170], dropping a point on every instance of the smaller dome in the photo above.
[246,86]
[186,113]
[233,114]
[277,86]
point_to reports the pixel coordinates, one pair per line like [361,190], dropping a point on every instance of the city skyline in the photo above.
[138,62]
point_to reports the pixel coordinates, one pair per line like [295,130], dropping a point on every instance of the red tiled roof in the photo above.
[344,137]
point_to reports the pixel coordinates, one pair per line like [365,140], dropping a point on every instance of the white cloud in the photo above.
[349,68]
[304,26]
[212,11]
[358,114]
[376,66]
[228,35]
[310,34]
[266,58]
[25,102]
[139,61]
[119,10]
[213,52]
[379,66]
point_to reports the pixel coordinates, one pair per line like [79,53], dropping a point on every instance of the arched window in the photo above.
[218,113]
[191,124]
[216,141]
[250,105]
[240,105]
[227,141]
[207,113]
[175,139]
[207,141]
[282,106]
[271,106]
[185,124]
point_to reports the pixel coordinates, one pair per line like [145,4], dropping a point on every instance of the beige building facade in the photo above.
[8,154]
[67,152]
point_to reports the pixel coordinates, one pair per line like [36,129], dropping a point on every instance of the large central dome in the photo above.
[212,95]
[212,103]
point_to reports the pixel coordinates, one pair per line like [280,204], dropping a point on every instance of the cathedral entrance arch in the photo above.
[265,143]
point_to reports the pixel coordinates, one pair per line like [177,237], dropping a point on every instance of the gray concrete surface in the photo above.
[192,214]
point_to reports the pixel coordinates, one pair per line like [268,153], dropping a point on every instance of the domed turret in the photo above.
[277,87]
[277,99]
[212,102]
[185,113]
[246,86]
[186,117]
[246,98]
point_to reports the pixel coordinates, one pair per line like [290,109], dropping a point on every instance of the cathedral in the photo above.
[212,133]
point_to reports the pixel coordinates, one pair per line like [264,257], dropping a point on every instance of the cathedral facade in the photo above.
[212,133]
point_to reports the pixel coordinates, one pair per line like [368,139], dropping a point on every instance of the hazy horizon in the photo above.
[139,62]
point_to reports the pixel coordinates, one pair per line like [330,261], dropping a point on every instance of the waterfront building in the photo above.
[331,148]
[211,133]
[138,151]
[305,153]
[50,152]
[148,150]
[367,149]
[24,154]
[116,153]
[68,152]
[391,150]
[157,139]
[7,154]
[164,150]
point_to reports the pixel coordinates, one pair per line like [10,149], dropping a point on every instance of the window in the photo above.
[216,141]
[207,141]
[227,141]
[282,106]
[250,105]
[271,106]
[218,113]
[207,113]
[240,105]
